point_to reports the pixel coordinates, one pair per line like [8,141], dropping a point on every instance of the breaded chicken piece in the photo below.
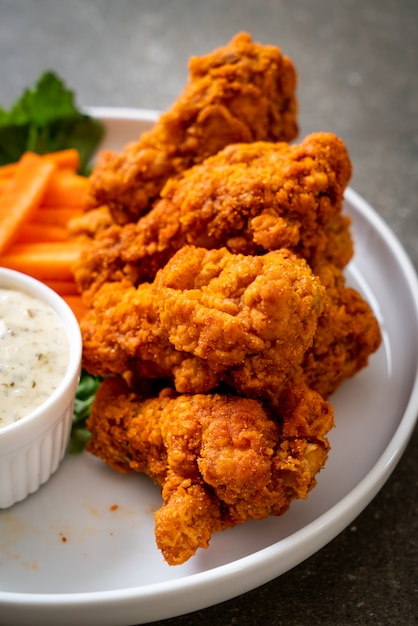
[220,460]
[250,198]
[249,318]
[242,92]
[348,333]
[122,334]
[90,223]
[209,317]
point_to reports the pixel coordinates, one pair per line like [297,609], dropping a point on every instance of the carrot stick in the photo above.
[68,158]
[7,171]
[37,233]
[22,195]
[63,287]
[57,216]
[66,189]
[44,261]
[76,305]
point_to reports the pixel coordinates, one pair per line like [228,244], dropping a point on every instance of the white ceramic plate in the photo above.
[81,550]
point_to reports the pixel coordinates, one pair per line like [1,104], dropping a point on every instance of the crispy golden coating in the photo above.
[209,317]
[250,198]
[90,223]
[249,318]
[122,334]
[347,335]
[214,274]
[220,459]
[249,322]
[242,92]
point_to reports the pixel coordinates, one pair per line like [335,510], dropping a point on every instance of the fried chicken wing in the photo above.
[122,334]
[249,318]
[220,460]
[347,334]
[242,92]
[209,317]
[250,198]
[219,313]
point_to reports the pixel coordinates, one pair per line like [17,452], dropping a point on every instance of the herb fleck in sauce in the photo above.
[34,354]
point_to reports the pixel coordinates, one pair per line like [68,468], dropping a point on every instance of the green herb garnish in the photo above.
[86,391]
[45,119]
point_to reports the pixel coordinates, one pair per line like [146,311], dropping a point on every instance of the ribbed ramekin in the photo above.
[32,448]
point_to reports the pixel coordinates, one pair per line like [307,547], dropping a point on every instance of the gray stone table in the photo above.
[357,62]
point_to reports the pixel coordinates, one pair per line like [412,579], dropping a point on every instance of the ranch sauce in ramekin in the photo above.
[34,354]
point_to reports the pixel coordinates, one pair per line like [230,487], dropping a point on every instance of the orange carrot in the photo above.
[7,171]
[39,196]
[67,189]
[40,232]
[44,261]
[56,215]
[63,287]
[68,158]
[76,305]
[22,195]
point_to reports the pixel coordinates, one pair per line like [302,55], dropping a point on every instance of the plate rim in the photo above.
[336,517]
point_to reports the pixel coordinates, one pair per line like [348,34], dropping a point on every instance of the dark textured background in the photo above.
[357,62]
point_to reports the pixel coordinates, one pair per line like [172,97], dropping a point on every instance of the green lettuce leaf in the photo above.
[46,119]
[86,391]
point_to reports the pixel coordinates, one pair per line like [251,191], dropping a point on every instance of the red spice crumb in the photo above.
[114,507]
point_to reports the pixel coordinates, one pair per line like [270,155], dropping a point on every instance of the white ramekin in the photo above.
[32,448]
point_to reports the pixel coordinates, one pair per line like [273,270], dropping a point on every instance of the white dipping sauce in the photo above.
[34,354]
